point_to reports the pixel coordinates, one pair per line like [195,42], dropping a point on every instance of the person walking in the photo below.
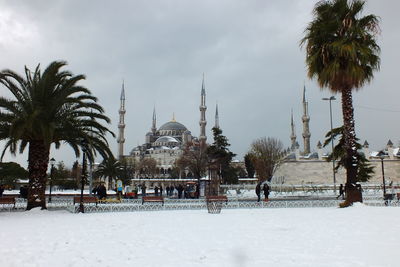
[341,192]
[156,191]
[102,191]
[258,191]
[1,190]
[266,191]
[143,190]
[23,191]
[161,189]
[180,190]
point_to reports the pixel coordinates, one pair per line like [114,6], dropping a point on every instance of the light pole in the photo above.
[382,156]
[90,177]
[333,159]
[52,162]
[83,176]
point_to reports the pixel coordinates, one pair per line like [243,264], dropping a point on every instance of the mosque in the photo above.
[166,143]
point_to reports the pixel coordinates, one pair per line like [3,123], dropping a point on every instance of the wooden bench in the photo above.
[217,199]
[7,200]
[152,199]
[86,199]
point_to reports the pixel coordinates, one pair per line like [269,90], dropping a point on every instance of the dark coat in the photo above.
[258,189]
[266,189]
[102,191]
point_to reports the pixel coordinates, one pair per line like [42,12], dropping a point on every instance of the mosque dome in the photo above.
[166,141]
[173,126]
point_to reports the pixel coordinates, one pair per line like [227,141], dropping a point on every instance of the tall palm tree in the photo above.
[47,108]
[110,168]
[342,54]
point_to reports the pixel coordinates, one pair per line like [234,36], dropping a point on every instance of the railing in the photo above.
[130,205]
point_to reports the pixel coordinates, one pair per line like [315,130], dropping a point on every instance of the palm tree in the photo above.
[110,168]
[342,54]
[47,108]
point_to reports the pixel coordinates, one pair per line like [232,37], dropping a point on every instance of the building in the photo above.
[163,145]
[306,166]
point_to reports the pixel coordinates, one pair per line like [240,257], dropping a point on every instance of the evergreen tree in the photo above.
[364,169]
[63,178]
[249,165]
[220,154]
[10,172]
[126,172]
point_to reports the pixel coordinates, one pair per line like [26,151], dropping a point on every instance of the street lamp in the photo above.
[333,159]
[52,162]
[83,176]
[381,155]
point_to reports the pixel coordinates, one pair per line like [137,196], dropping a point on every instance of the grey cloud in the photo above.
[249,51]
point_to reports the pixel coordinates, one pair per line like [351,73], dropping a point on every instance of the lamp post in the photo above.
[83,176]
[90,177]
[382,156]
[52,162]
[333,159]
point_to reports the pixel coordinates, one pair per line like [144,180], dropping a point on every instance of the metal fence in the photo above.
[131,205]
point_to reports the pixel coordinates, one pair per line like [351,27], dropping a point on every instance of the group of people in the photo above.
[170,191]
[100,191]
[265,189]
[158,190]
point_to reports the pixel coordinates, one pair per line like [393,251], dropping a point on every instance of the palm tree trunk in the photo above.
[351,163]
[38,163]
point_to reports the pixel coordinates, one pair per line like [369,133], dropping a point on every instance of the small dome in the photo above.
[166,139]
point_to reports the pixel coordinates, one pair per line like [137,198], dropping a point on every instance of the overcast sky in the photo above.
[248,50]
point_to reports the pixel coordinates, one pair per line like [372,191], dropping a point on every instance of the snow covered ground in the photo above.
[356,236]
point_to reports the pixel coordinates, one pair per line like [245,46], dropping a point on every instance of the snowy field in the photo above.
[356,236]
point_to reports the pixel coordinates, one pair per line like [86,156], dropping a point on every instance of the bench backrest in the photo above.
[7,200]
[216,198]
[86,199]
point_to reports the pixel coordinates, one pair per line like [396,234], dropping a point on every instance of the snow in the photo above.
[356,236]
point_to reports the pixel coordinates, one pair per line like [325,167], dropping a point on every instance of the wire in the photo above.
[378,109]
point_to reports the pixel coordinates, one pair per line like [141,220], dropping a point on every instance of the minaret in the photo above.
[216,117]
[203,122]
[121,125]
[154,124]
[306,126]
[293,134]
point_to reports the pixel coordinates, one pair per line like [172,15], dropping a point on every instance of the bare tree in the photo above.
[195,159]
[266,154]
[148,167]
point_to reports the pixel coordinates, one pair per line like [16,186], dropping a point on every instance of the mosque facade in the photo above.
[164,144]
